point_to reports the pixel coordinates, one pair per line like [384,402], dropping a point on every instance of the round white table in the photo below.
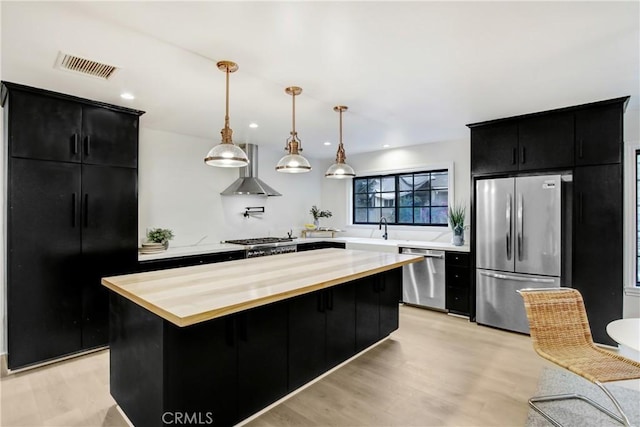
[626,332]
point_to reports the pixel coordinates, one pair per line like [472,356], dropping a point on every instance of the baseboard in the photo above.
[49,362]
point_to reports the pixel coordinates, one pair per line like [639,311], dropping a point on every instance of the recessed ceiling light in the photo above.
[386,146]
[127,95]
[327,143]
[253,125]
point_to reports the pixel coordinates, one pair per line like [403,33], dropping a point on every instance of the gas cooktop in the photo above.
[260,241]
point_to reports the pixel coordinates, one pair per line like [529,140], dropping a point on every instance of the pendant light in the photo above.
[293,162]
[227,154]
[340,170]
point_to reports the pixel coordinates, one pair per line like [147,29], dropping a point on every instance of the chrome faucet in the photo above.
[385,235]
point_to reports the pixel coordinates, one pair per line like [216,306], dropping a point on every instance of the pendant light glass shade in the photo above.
[293,162]
[227,154]
[340,170]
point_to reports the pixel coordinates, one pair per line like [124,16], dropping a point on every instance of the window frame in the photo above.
[435,168]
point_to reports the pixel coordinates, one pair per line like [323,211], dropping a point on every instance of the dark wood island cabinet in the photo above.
[72,218]
[222,341]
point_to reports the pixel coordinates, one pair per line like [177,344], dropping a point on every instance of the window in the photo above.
[637,217]
[415,198]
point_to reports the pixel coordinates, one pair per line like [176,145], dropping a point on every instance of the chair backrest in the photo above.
[557,318]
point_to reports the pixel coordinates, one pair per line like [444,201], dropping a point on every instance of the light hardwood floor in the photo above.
[436,370]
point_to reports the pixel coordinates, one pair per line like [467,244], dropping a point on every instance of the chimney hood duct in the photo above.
[249,184]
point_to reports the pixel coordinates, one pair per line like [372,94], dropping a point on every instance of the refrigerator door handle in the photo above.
[509,224]
[519,226]
[516,278]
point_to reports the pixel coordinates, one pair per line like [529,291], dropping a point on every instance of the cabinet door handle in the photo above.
[580,207]
[75,143]
[330,299]
[513,156]
[87,145]
[86,210]
[320,302]
[580,153]
[524,155]
[74,209]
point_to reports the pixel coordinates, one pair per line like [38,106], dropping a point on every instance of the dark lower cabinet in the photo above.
[341,324]
[597,251]
[223,370]
[458,282]
[377,307]
[262,357]
[186,261]
[322,332]
[311,246]
[307,338]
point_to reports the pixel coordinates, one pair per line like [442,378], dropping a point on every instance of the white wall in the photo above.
[178,191]
[335,193]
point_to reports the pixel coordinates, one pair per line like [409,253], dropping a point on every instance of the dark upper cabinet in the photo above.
[545,142]
[533,143]
[494,148]
[109,137]
[43,292]
[597,250]
[50,126]
[43,127]
[599,135]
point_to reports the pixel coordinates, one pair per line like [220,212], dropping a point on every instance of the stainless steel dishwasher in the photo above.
[423,282]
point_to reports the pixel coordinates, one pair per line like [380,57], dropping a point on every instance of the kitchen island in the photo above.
[214,344]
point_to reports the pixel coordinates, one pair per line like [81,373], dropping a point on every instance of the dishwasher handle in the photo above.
[427,253]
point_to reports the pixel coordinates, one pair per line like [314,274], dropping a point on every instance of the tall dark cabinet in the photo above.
[71,218]
[585,140]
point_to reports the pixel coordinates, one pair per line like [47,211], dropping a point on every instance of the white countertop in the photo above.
[181,251]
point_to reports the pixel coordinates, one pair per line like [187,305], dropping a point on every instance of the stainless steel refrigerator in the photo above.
[522,241]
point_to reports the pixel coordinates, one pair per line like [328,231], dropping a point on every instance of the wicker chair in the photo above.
[560,333]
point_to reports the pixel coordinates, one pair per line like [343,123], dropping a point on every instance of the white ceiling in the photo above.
[410,72]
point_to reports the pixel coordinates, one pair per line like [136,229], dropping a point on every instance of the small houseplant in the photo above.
[456,221]
[160,235]
[317,214]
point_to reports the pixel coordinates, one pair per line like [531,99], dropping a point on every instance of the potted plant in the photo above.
[317,214]
[456,221]
[160,235]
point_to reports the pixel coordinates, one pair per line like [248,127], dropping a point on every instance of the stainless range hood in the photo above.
[249,184]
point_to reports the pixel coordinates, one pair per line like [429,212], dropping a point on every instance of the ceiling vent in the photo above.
[85,66]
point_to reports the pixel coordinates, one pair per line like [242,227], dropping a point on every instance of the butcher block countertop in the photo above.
[189,295]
